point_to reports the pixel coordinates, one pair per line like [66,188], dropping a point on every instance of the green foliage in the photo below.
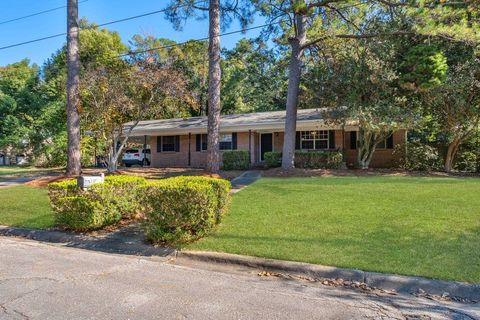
[253,78]
[177,210]
[183,209]
[221,188]
[420,156]
[236,160]
[273,159]
[97,206]
[423,67]
[318,159]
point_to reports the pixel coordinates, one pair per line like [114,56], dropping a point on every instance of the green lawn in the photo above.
[23,206]
[19,171]
[414,226]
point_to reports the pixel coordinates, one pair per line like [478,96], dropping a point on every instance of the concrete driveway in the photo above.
[42,281]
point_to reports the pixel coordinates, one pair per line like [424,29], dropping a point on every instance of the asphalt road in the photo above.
[43,281]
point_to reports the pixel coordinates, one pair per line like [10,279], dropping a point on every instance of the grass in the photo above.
[406,225]
[19,171]
[22,206]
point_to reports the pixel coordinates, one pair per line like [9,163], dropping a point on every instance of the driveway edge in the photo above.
[403,284]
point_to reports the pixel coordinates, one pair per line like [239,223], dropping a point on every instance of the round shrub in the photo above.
[179,209]
[273,159]
[100,205]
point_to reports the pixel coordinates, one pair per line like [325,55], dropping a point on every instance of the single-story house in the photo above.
[182,142]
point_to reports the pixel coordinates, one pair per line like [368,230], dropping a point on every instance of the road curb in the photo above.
[110,243]
[402,284]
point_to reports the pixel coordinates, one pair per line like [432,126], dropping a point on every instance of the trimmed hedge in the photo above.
[182,209]
[273,159]
[318,159]
[177,210]
[308,159]
[236,160]
[95,207]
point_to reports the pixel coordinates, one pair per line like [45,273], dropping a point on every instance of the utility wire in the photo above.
[100,25]
[36,14]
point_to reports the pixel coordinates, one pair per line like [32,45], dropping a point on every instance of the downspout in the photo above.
[144,150]
[189,149]
[250,145]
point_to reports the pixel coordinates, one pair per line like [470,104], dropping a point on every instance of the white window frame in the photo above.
[203,135]
[226,137]
[318,135]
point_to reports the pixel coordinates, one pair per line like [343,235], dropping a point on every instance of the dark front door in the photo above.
[266,144]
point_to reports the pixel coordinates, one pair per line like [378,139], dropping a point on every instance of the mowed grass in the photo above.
[406,225]
[22,206]
[19,171]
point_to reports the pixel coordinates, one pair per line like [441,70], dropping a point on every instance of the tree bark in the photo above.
[73,99]
[294,74]
[451,152]
[214,81]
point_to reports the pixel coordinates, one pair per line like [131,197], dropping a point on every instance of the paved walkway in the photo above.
[245,179]
[40,281]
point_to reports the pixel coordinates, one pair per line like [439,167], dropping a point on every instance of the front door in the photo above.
[266,144]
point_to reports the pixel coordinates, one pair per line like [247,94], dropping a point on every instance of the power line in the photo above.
[100,25]
[133,53]
[193,40]
[36,14]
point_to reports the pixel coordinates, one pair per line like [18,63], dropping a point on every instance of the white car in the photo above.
[136,156]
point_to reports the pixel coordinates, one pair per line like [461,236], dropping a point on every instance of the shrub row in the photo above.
[177,210]
[100,205]
[236,160]
[308,159]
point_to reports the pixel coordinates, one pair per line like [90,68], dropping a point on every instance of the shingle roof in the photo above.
[273,120]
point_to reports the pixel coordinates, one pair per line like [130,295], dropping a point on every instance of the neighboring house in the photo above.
[183,142]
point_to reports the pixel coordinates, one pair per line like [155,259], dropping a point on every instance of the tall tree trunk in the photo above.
[214,78]
[451,152]
[73,65]
[295,69]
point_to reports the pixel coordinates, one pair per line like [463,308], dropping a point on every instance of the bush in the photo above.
[182,209]
[221,188]
[420,157]
[273,159]
[236,160]
[97,206]
[318,159]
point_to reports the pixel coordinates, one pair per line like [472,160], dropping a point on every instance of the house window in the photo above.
[314,140]
[386,143]
[226,141]
[168,143]
[203,142]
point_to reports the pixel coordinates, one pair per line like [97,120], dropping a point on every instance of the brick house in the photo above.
[183,142]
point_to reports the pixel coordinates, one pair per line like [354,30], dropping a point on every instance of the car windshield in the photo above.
[132,151]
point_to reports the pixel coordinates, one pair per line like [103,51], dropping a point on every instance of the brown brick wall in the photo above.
[382,158]
[198,158]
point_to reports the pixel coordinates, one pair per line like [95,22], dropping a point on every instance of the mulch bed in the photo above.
[297,172]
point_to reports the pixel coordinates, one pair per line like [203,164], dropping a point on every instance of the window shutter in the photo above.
[198,142]
[234,141]
[159,144]
[177,143]
[331,139]
[297,140]
[353,140]
[390,141]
